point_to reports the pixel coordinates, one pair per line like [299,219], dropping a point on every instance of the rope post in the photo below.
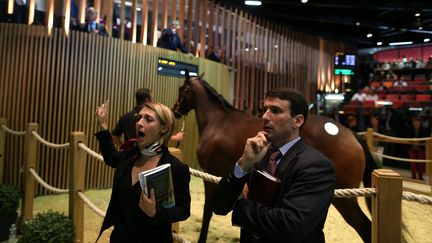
[386,206]
[76,184]
[428,156]
[30,157]
[3,121]
[369,139]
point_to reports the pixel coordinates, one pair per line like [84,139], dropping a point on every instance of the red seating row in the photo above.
[397,101]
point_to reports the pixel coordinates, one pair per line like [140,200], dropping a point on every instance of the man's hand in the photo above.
[255,150]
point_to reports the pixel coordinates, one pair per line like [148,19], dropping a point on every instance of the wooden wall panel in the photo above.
[63,78]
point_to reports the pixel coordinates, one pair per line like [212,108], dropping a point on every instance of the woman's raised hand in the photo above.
[102,115]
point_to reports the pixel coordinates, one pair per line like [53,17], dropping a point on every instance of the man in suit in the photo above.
[170,40]
[91,26]
[307,176]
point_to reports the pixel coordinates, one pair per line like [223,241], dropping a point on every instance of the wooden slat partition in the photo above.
[50,73]
[60,80]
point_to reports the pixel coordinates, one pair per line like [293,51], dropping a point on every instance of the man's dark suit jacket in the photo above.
[100,27]
[301,207]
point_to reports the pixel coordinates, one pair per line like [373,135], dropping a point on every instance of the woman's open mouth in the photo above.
[141,134]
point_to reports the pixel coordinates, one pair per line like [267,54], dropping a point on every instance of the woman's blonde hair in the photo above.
[166,118]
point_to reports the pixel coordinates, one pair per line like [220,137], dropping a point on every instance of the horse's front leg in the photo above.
[209,187]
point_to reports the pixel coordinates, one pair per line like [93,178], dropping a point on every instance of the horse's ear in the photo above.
[187,77]
[202,75]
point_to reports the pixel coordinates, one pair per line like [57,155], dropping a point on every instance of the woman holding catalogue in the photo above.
[135,215]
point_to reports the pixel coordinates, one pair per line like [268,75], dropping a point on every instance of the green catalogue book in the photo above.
[160,179]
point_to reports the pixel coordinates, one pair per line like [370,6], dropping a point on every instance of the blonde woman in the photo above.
[135,216]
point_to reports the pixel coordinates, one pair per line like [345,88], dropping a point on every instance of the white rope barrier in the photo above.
[409,196]
[205,176]
[46,185]
[354,192]
[400,139]
[338,193]
[18,133]
[91,205]
[49,144]
[403,159]
[90,151]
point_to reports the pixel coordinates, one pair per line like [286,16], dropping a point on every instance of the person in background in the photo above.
[416,130]
[91,26]
[126,125]
[352,123]
[359,96]
[400,82]
[136,217]
[378,147]
[308,178]
[215,54]
[170,40]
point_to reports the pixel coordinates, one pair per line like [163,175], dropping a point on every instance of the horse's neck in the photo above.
[207,111]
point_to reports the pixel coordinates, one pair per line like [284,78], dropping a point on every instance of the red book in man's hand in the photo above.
[263,187]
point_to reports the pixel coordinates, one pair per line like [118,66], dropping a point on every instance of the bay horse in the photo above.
[223,131]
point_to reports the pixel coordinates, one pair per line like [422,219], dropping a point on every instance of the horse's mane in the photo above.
[213,94]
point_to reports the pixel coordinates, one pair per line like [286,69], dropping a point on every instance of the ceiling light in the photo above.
[256,49]
[253,3]
[420,27]
[417,14]
[304,1]
[276,46]
[379,43]
[369,35]
[358,23]
[426,40]
[401,43]
[247,49]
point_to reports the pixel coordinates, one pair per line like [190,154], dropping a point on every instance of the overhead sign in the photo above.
[176,68]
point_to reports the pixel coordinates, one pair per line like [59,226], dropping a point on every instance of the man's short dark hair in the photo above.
[142,96]
[297,100]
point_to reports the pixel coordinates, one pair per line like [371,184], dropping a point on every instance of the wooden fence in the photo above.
[387,187]
[373,137]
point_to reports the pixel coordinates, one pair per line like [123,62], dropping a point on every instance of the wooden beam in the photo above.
[203,30]
[49,14]
[164,14]
[122,19]
[174,10]
[66,18]
[97,6]
[134,20]
[10,6]
[31,11]
[144,21]
[82,11]
[181,20]
[107,13]
[154,24]
[189,25]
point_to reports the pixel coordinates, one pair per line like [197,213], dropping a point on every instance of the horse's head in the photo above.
[184,102]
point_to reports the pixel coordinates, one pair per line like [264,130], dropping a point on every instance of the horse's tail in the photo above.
[370,165]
